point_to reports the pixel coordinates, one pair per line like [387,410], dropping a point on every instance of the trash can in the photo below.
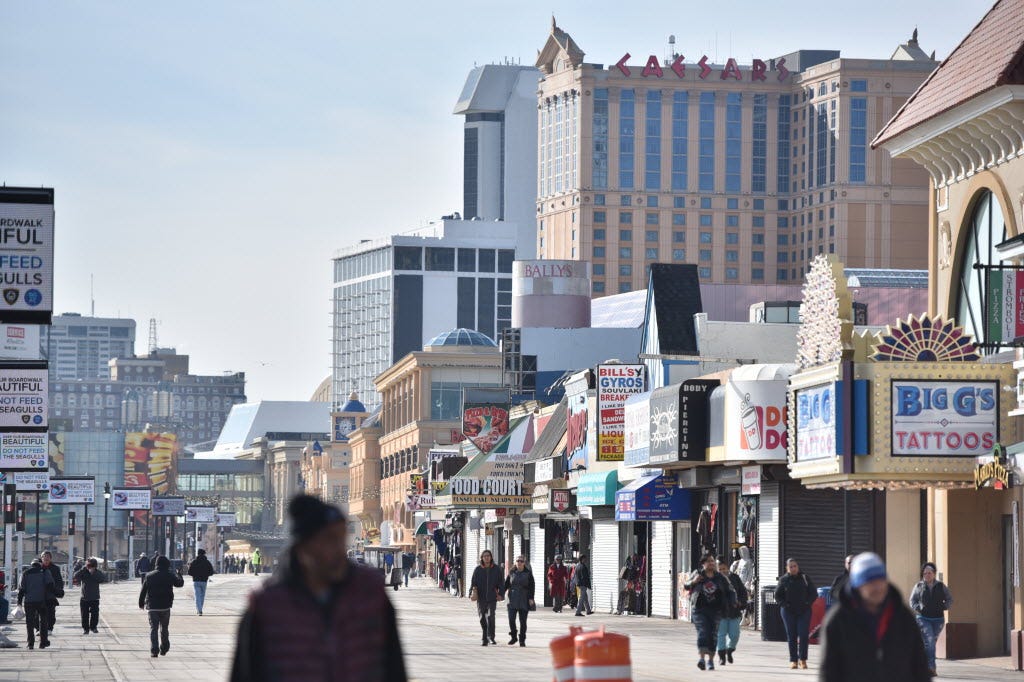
[772,627]
[121,569]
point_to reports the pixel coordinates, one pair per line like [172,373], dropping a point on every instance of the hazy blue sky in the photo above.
[209,157]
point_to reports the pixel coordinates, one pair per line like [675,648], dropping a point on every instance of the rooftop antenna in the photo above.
[92,295]
[671,50]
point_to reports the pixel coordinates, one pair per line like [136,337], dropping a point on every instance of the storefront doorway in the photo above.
[1008,561]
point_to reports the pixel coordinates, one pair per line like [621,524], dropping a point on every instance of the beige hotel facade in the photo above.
[748,171]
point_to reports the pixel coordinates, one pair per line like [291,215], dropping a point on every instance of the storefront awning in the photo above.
[652,498]
[598,489]
[427,527]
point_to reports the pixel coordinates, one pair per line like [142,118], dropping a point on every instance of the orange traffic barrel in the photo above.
[602,656]
[563,655]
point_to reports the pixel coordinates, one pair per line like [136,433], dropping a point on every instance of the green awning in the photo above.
[598,489]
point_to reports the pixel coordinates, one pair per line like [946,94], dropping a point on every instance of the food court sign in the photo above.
[944,418]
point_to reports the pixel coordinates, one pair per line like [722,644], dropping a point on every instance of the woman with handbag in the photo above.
[519,587]
[486,589]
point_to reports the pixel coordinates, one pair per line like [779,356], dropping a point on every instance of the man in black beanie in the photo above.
[157,596]
[355,636]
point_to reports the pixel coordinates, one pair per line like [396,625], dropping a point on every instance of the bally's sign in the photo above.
[944,418]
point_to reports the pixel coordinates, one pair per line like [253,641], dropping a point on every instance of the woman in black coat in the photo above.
[486,589]
[519,587]
[795,594]
[710,596]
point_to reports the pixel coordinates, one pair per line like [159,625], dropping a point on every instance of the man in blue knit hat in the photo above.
[872,636]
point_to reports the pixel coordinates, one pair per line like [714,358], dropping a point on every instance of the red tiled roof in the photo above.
[990,56]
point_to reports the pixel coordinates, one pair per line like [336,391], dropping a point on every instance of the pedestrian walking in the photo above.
[58,590]
[89,578]
[243,564]
[257,561]
[558,582]
[519,587]
[321,616]
[729,626]
[143,566]
[581,576]
[872,636]
[200,569]
[408,563]
[795,594]
[930,600]
[710,596]
[157,596]
[486,590]
[840,582]
[34,590]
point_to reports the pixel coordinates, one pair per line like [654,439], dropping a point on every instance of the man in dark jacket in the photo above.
[840,582]
[157,595]
[35,588]
[872,636]
[143,566]
[200,569]
[581,576]
[90,578]
[795,594]
[58,590]
[321,617]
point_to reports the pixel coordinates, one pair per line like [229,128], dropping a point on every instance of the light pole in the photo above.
[106,519]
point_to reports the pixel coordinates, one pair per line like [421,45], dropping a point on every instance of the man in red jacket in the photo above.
[321,617]
[558,582]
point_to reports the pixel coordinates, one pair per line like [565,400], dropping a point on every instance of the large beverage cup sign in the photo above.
[756,414]
[131,499]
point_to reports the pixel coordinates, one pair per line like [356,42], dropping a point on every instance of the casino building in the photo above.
[748,171]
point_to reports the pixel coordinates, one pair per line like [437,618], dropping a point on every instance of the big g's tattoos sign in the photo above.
[944,418]
[816,423]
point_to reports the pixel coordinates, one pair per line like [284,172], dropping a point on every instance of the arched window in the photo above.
[983,231]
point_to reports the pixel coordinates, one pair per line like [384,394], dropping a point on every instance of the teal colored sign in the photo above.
[596,490]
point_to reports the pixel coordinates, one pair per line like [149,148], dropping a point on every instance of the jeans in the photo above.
[798,625]
[405,574]
[728,634]
[35,619]
[930,629]
[161,620]
[584,599]
[199,587]
[90,613]
[706,623]
[486,611]
[522,623]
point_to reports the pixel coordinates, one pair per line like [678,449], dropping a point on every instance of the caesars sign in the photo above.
[615,384]
[816,423]
[756,419]
[944,418]
[26,255]
[23,397]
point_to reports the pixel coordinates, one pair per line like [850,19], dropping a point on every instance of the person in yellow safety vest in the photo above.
[257,560]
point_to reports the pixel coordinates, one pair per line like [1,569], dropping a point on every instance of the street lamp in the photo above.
[106,519]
